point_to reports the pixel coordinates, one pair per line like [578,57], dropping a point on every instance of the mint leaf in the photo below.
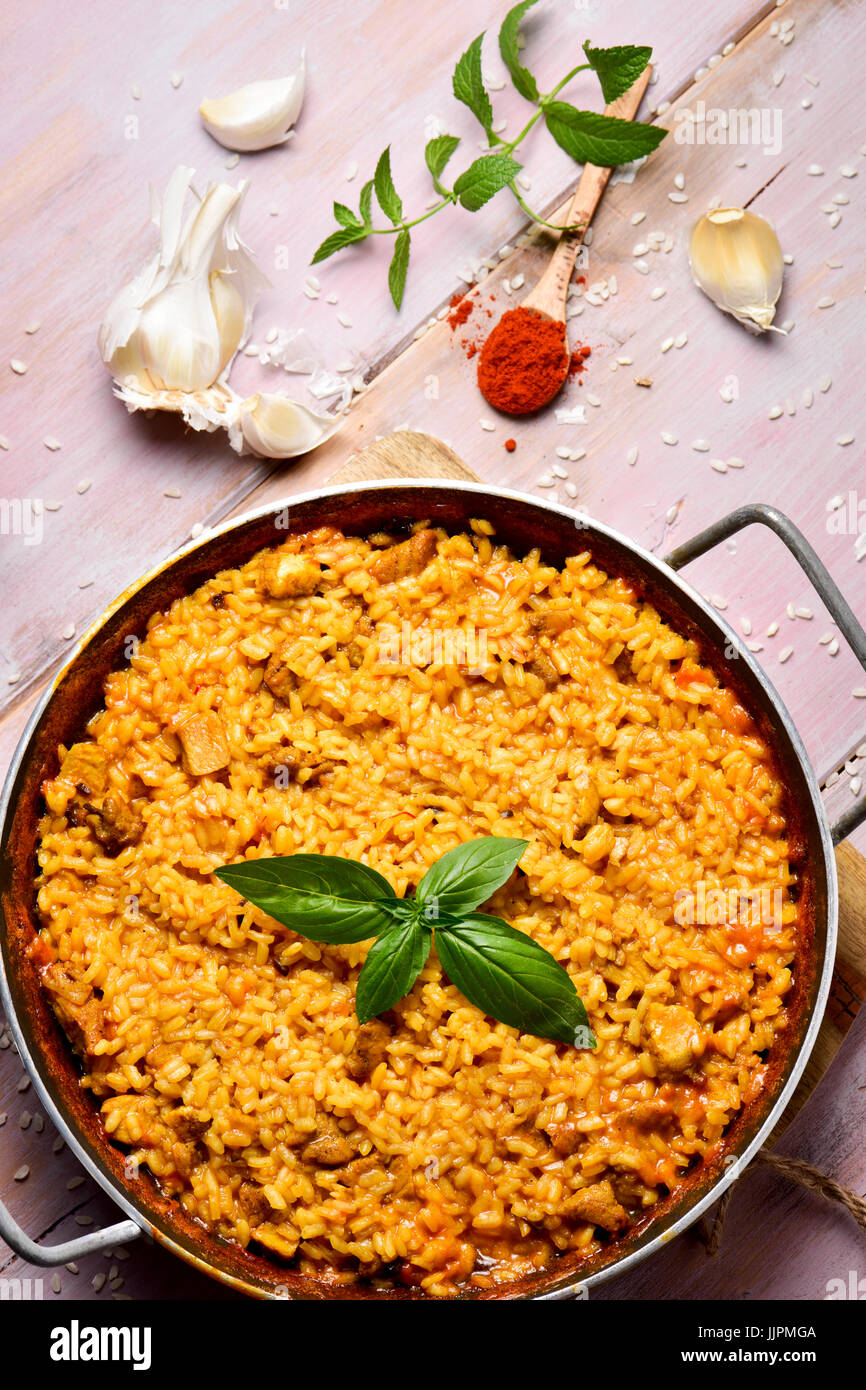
[393,964]
[345,216]
[345,236]
[507,975]
[603,140]
[320,896]
[367,202]
[466,876]
[520,76]
[386,193]
[468,85]
[617,68]
[485,177]
[398,267]
[437,154]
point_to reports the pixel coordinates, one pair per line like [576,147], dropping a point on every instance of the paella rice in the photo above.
[385,699]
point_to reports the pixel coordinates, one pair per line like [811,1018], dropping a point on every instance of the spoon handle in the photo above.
[549,295]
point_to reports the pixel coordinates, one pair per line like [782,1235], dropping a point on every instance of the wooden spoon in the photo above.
[548,299]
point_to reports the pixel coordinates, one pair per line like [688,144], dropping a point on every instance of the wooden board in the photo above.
[849,978]
[404,454]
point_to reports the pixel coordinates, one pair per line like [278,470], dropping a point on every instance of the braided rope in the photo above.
[795,1170]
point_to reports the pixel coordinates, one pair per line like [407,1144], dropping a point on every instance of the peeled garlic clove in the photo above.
[256,116]
[229,312]
[278,428]
[737,261]
[179,340]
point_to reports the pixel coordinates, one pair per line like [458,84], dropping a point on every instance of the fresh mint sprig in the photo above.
[589,137]
[468,86]
[500,970]
[509,47]
[617,68]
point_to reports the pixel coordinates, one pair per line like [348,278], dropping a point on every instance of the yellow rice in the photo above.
[216,1040]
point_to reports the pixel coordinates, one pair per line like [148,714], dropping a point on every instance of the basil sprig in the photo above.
[500,970]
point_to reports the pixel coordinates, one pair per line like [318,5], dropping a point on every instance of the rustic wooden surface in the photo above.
[404,455]
[73,213]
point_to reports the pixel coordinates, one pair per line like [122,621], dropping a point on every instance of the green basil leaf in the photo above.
[617,68]
[318,872]
[398,267]
[345,236]
[466,876]
[437,153]
[389,200]
[485,177]
[603,140]
[345,216]
[468,85]
[366,203]
[393,964]
[520,76]
[400,909]
[320,896]
[509,976]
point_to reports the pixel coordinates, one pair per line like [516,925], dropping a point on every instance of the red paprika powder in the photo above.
[460,307]
[524,362]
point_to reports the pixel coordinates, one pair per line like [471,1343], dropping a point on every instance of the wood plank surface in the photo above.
[848,990]
[73,214]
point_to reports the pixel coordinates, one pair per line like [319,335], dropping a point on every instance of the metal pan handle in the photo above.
[35,1254]
[816,572]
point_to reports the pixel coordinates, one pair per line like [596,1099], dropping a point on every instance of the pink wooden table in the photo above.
[80,150]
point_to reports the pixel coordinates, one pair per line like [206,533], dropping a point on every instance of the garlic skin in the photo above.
[215,408]
[736,260]
[277,428]
[257,116]
[177,325]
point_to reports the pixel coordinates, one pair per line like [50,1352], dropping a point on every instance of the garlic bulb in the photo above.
[169,337]
[736,260]
[256,116]
[177,325]
[278,428]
